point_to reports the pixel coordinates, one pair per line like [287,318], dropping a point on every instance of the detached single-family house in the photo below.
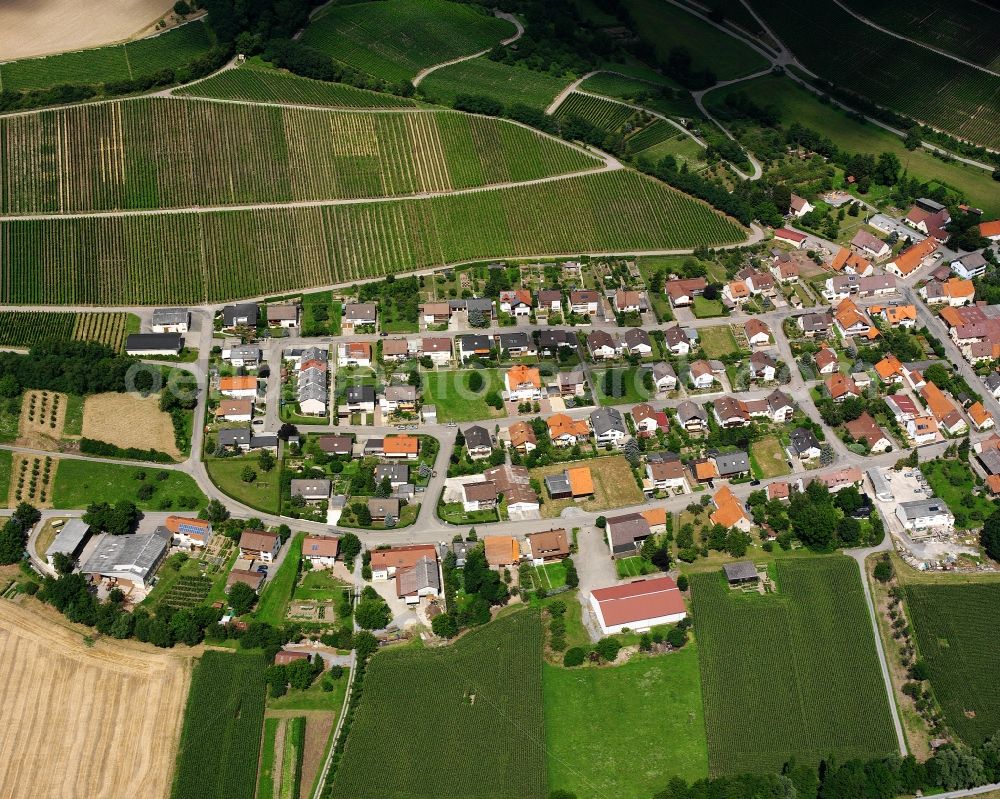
[731,464]
[474,345]
[548,546]
[523,383]
[516,345]
[664,377]
[799,206]
[399,399]
[692,417]
[550,342]
[608,426]
[762,367]
[259,545]
[911,259]
[625,534]
[840,387]
[971,265]
[648,421]
[668,475]
[386,563]
[729,511]
[478,442]
[516,302]
[804,444]
[246,356]
[359,399]
[826,361]
[865,429]
[681,292]
[602,345]
[354,353]
[637,342]
[815,325]
[311,490]
[585,302]
[572,383]
[758,333]
[238,387]
[238,410]
[435,313]
[401,447]
[171,320]
[548,301]
[869,246]
[677,340]
[382,510]
[701,374]
[522,437]
[284,314]
[358,314]
[242,314]
[437,349]
[188,532]
[566,432]
[629,301]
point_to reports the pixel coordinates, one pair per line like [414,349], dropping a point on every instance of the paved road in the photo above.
[594,567]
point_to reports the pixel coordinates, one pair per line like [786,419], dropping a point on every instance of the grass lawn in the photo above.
[633,567]
[704,308]
[313,697]
[10,415]
[550,575]
[682,147]
[717,341]
[595,716]
[805,295]
[79,483]
[953,482]
[627,381]
[614,485]
[6,459]
[796,104]
[318,584]
[455,513]
[273,603]
[455,401]
[265,772]
[768,458]
[262,494]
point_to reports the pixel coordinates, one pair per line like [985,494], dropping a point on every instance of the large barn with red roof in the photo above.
[638,606]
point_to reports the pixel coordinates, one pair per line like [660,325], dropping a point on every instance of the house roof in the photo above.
[937,402]
[320,546]
[584,296]
[979,414]
[865,428]
[420,576]
[383,506]
[403,557]
[705,470]
[520,374]
[779,489]
[864,240]
[789,235]
[688,410]
[483,491]
[643,411]
[435,344]
[501,550]
[990,228]
[237,383]
[400,445]
[896,314]
[560,424]
[848,315]
[741,570]
[337,445]
[600,339]
[655,517]
[802,440]
[605,420]
[360,312]
[888,367]
[236,407]
[521,433]
[825,357]
[626,530]
[549,542]
[666,470]
[581,482]
[910,259]
[754,327]
[731,463]
[258,540]
[956,287]
[738,288]
[636,337]
[636,602]
[840,385]
[477,437]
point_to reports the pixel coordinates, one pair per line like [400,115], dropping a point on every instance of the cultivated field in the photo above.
[508,84]
[790,674]
[600,113]
[267,86]
[594,717]
[457,722]
[85,719]
[43,415]
[129,420]
[158,153]
[222,728]
[955,97]
[795,104]
[100,65]
[395,39]
[217,256]
[24,329]
[52,26]
[958,637]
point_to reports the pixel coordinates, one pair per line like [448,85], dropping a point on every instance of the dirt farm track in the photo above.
[40,27]
[81,720]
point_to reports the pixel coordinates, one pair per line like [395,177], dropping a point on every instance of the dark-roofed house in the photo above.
[638,606]
[420,580]
[284,314]
[517,345]
[550,341]
[358,314]
[397,473]
[358,399]
[234,438]
[242,314]
[803,443]
[625,534]
[741,572]
[815,325]
[153,343]
[608,426]
[548,546]
[480,495]
[602,345]
[637,342]
[474,345]
[664,377]
[311,490]
[336,445]
[478,441]
[730,464]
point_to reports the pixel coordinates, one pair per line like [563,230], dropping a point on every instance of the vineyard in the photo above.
[218,256]
[791,674]
[103,64]
[958,637]
[188,592]
[222,728]
[265,86]
[949,95]
[655,133]
[623,87]
[152,153]
[510,85]
[604,114]
[395,39]
[25,329]
[457,722]
[967,28]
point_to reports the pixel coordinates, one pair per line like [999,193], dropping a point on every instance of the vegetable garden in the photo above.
[152,153]
[463,721]
[116,62]
[793,673]
[215,256]
[959,639]
[395,39]
[24,329]
[220,741]
[265,86]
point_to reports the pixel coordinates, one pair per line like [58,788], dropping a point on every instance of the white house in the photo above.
[320,550]
[799,206]
[924,514]
[171,320]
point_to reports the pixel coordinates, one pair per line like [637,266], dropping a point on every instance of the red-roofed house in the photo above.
[638,606]
[792,237]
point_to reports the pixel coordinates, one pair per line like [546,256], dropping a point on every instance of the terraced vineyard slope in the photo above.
[790,674]
[395,39]
[267,86]
[160,153]
[958,637]
[459,721]
[957,98]
[103,64]
[213,256]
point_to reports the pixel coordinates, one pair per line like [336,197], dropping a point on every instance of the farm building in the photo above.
[740,573]
[154,343]
[638,606]
[421,579]
[286,656]
[127,559]
[386,562]
[170,320]
[625,534]
[187,532]
[69,541]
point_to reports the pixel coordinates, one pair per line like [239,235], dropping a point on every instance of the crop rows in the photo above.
[187,592]
[395,39]
[948,95]
[967,28]
[794,674]
[654,133]
[202,257]
[604,114]
[958,637]
[612,84]
[509,85]
[459,722]
[102,64]
[24,329]
[220,742]
[150,153]
[263,86]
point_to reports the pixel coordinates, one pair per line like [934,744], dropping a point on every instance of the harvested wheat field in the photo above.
[43,414]
[99,721]
[129,420]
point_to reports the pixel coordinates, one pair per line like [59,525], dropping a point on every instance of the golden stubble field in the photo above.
[99,720]
[129,420]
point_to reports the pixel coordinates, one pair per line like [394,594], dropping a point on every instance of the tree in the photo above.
[883,570]
[117,520]
[445,625]
[248,475]
[266,460]
[476,382]
[938,375]
[372,613]
[682,582]
[63,563]
[677,637]
[350,546]
[241,598]
[12,542]
[384,488]
[887,169]
[361,512]
[215,512]
[9,387]
[574,657]
[989,536]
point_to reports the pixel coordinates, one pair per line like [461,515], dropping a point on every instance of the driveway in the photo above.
[595,569]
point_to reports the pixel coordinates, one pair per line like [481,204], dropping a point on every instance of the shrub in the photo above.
[574,657]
